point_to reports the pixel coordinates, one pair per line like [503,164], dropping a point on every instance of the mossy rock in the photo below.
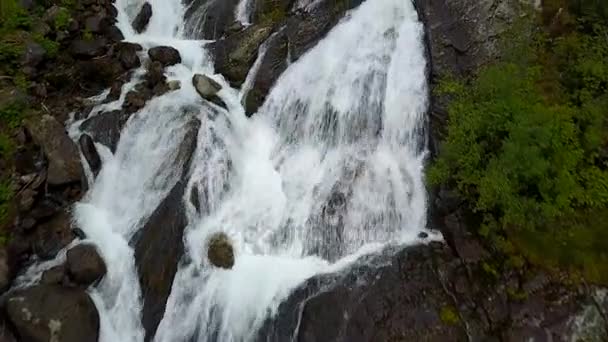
[220,251]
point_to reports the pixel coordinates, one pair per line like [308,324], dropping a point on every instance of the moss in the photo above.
[449,315]
[11,114]
[50,46]
[6,195]
[62,20]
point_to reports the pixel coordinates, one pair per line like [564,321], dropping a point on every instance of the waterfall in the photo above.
[329,169]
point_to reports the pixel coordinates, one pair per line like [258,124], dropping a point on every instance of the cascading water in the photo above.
[330,168]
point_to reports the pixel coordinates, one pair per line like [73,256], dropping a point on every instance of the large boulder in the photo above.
[235,55]
[33,54]
[159,244]
[84,265]
[61,152]
[166,55]
[207,88]
[143,18]
[89,48]
[220,251]
[52,313]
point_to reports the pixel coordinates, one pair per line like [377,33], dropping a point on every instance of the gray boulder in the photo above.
[207,88]
[89,48]
[46,313]
[33,55]
[87,146]
[62,154]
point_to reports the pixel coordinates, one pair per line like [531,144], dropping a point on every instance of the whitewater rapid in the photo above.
[330,168]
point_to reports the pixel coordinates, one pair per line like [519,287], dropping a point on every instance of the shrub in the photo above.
[531,159]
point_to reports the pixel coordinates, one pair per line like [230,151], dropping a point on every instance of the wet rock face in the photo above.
[84,265]
[220,251]
[87,146]
[127,53]
[166,55]
[52,313]
[163,232]
[143,18]
[105,128]
[423,293]
[60,151]
[210,19]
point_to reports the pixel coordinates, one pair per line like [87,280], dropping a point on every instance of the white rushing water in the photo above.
[330,168]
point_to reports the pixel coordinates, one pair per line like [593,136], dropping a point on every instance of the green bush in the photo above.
[527,157]
[62,20]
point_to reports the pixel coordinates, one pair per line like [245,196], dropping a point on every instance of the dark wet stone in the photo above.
[143,18]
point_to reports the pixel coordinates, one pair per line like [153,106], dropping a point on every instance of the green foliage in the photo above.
[13,16]
[12,114]
[527,149]
[449,315]
[6,145]
[50,46]
[62,19]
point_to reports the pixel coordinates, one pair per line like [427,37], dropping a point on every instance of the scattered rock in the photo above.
[166,55]
[220,251]
[46,313]
[155,74]
[207,88]
[52,236]
[87,146]
[174,85]
[127,53]
[61,152]
[53,276]
[135,100]
[34,54]
[143,18]
[26,199]
[89,48]
[84,265]
[96,23]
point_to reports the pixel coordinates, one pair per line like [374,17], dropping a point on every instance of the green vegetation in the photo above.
[448,315]
[527,144]
[62,19]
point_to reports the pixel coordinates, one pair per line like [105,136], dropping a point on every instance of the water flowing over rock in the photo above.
[51,313]
[163,231]
[208,19]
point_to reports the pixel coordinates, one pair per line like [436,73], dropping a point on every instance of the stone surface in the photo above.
[143,18]
[88,48]
[105,127]
[219,251]
[53,276]
[47,313]
[87,146]
[61,152]
[84,265]
[166,55]
[34,54]
[5,272]
[235,55]
[163,232]
[207,88]
[127,53]
[52,236]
